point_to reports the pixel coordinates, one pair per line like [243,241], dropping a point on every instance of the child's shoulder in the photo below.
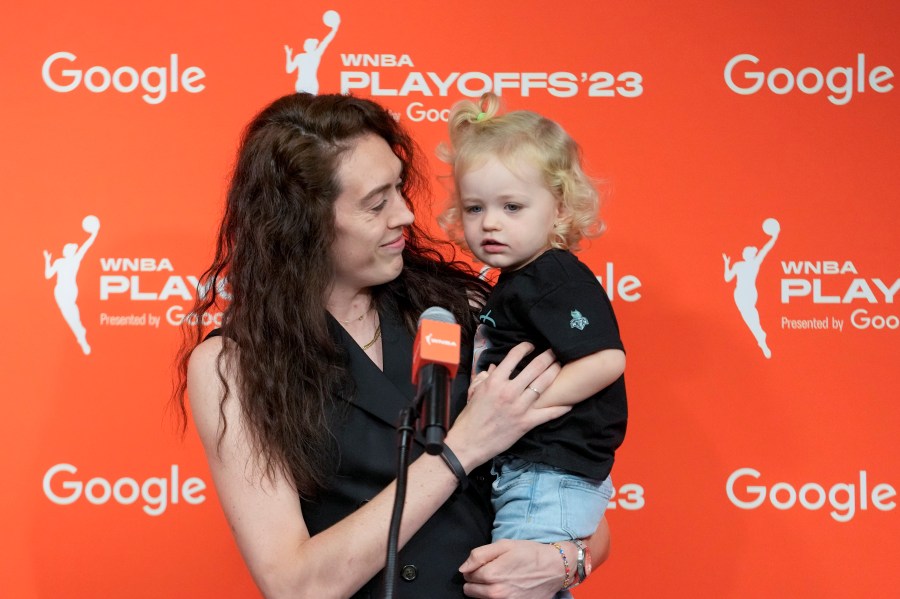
[554,270]
[560,264]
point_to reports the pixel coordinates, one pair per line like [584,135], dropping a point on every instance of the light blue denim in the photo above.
[541,503]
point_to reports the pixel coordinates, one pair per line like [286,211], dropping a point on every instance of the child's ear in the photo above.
[562,213]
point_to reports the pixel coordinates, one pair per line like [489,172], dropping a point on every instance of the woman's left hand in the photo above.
[501,409]
[513,570]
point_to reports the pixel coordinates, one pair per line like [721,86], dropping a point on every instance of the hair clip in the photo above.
[481,116]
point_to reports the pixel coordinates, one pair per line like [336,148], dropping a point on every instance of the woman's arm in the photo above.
[526,569]
[265,514]
[583,378]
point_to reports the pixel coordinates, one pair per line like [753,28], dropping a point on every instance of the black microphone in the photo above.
[435,362]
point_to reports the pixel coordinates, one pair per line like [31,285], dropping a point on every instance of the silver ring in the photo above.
[533,389]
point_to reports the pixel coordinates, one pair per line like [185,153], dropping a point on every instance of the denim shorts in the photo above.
[541,503]
[537,502]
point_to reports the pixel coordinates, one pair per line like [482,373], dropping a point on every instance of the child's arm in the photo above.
[583,378]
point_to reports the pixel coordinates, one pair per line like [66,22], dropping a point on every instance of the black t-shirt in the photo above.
[556,302]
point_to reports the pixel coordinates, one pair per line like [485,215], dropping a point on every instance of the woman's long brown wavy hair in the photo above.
[273,248]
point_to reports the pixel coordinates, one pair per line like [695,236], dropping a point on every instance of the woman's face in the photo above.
[369,216]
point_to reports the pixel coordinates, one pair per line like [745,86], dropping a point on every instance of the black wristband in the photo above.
[453,463]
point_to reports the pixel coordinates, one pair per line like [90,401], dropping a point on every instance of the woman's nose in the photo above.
[401,216]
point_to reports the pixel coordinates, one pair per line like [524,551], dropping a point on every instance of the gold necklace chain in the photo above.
[361,316]
[374,339]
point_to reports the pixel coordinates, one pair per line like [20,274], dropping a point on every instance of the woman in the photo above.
[299,395]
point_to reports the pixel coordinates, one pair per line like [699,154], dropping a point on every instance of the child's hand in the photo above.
[478,379]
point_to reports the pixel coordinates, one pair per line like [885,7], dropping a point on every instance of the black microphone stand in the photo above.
[434,380]
[405,430]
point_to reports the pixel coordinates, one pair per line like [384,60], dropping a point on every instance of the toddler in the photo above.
[521,203]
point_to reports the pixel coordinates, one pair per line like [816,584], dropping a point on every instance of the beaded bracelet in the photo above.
[568,579]
[455,466]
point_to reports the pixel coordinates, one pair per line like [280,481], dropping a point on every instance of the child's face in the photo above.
[507,215]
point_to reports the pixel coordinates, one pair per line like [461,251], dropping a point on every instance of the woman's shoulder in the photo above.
[207,378]
[207,352]
[204,368]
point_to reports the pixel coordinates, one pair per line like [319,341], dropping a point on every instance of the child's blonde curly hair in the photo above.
[477,132]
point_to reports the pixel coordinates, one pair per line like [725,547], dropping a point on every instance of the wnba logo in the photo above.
[65,269]
[306,63]
[745,273]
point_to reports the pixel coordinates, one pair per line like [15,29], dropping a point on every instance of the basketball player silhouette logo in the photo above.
[746,271]
[307,62]
[65,269]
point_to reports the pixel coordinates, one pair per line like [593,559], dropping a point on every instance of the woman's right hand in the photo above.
[501,409]
[525,569]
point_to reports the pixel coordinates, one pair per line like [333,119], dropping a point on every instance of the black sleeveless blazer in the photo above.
[365,461]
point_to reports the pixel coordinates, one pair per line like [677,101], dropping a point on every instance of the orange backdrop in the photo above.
[741,475]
